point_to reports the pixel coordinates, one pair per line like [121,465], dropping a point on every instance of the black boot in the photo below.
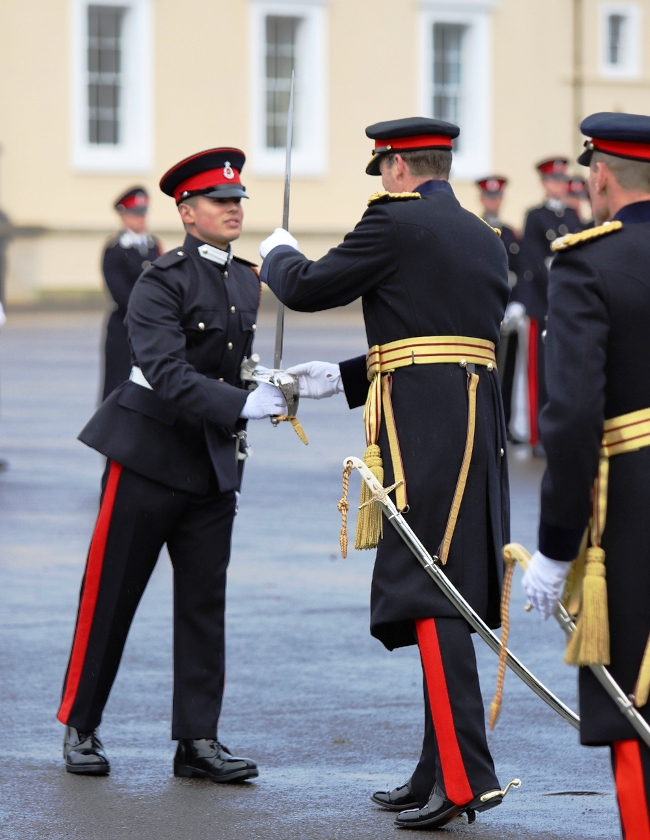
[437,812]
[207,759]
[84,753]
[397,799]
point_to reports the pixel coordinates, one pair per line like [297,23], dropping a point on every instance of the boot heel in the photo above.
[187,772]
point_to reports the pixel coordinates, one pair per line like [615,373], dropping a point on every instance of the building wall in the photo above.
[201,86]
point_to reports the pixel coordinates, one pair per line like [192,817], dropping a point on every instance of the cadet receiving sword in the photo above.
[434,282]
[596,432]
[173,434]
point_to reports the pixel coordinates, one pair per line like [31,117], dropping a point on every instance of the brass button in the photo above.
[254,327]
[201,325]
[551,235]
[502,452]
[490,366]
[233,309]
[180,253]
[225,274]
[230,345]
[221,380]
[463,363]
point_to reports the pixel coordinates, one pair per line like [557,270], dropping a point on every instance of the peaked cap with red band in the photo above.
[492,185]
[577,187]
[413,134]
[620,135]
[135,200]
[553,168]
[214,173]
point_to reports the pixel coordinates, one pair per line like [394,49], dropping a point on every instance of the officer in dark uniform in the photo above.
[597,424]
[126,256]
[491,196]
[174,434]
[426,270]
[542,226]
[576,195]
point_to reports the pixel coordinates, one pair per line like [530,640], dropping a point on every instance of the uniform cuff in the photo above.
[354,377]
[558,543]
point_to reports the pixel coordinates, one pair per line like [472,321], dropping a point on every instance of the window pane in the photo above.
[448,72]
[281,44]
[615,39]
[105,25]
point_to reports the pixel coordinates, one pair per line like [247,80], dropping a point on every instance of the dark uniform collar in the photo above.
[434,186]
[638,211]
[208,252]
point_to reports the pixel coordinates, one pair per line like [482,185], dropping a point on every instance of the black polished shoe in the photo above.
[397,799]
[84,753]
[207,759]
[437,812]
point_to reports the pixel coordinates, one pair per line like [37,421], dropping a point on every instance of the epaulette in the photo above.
[384,197]
[571,239]
[170,258]
[496,230]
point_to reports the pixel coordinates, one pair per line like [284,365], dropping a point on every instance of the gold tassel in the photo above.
[589,644]
[297,427]
[642,687]
[369,519]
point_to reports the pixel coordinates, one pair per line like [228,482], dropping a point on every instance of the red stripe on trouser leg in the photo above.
[533,383]
[630,790]
[88,603]
[457,785]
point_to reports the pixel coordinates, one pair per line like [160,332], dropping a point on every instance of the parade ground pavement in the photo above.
[329,715]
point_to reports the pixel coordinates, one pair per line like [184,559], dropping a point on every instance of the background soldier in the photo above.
[491,196]
[598,351]
[126,256]
[426,269]
[577,195]
[543,224]
[173,434]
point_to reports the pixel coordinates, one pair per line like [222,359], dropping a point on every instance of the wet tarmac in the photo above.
[328,713]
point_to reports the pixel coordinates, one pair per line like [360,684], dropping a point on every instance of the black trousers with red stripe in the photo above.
[137,517]
[455,752]
[631,766]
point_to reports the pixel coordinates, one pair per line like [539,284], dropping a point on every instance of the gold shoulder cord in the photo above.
[571,239]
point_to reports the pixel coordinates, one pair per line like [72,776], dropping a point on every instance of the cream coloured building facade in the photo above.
[97,95]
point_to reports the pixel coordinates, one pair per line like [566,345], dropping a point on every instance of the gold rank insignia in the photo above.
[383,197]
[571,239]
[496,230]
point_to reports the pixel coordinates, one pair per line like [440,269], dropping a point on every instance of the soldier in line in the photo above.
[596,432]
[126,256]
[174,435]
[426,269]
[542,226]
[491,196]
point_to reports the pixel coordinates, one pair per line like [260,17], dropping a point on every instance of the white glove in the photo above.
[543,582]
[317,380]
[265,401]
[513,315]
[280,236]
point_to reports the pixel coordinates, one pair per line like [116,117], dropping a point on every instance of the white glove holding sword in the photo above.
[543,582]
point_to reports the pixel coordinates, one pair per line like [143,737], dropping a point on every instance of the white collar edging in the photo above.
[215,255]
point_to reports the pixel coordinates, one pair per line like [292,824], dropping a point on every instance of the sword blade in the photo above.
[435,572]
[279,323]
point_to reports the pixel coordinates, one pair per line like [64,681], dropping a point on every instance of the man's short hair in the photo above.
[433,162]
[629,174]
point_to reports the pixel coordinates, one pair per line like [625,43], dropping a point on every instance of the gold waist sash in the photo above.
[382,360]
